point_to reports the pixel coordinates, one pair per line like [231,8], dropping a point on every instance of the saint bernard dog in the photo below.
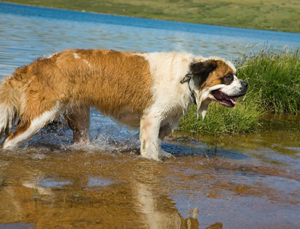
[149,91]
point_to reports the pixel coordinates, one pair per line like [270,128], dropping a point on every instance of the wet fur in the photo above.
[140,90]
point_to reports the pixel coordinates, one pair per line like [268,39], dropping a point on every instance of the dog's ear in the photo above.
[205,66]
[201,71]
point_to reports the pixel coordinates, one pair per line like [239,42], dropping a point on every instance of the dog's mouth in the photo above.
[225,100]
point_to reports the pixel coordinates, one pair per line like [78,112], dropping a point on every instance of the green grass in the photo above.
[274,87]
[243,118]
[277,15]
[276,78]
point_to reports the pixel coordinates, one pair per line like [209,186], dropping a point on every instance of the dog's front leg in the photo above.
[164,131]
[78,117]
[149,131]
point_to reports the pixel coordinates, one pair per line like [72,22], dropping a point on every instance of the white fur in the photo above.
[52,55]
[76,56]
[88,63]
[203,99]
[171,99]
[35,126]
[232,89]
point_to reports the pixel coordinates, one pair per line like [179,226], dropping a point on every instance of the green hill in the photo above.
[280,15]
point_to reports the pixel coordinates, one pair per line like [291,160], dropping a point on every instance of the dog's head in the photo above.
[214,79]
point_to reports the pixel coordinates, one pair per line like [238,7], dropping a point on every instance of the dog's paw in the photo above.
[165,155]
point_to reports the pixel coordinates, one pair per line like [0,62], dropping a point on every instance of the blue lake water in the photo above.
[27,33]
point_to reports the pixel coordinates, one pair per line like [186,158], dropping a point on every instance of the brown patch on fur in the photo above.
[108,80]
[105,79]
[8,88]
[38,87]
[214,78]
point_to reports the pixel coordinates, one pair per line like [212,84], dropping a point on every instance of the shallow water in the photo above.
[244,181]
[241,181]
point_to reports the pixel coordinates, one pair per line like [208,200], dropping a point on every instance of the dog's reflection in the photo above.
[28,195]
[159,212]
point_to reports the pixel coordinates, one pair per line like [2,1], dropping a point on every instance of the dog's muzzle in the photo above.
[229,100]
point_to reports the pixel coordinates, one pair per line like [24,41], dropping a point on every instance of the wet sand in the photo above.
[245,181]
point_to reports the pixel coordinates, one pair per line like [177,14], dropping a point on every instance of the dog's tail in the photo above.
[9,105]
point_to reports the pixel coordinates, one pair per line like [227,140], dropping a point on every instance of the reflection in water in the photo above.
[158,212]
[86,202]
[99,189]
[97,181]
[99,185]
[49,182]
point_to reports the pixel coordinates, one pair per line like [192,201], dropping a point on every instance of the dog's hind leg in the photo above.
[26,128]
[78,117]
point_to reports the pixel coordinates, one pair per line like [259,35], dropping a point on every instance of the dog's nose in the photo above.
[244,84]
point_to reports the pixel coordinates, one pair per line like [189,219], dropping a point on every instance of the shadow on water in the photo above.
[202,149]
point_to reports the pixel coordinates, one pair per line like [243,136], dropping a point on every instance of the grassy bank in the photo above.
[274,87]
[277,15]
[243,118]
[276,78]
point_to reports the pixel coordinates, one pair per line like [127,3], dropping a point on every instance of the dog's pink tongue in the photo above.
[233,101]
[230,98]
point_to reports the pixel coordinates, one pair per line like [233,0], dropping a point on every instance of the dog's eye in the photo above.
[228,79]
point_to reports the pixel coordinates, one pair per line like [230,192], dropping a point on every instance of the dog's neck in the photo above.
[192,93]
[201,105]
[188,78]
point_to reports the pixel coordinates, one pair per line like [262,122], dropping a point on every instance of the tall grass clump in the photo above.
[243,118]
[275,77]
